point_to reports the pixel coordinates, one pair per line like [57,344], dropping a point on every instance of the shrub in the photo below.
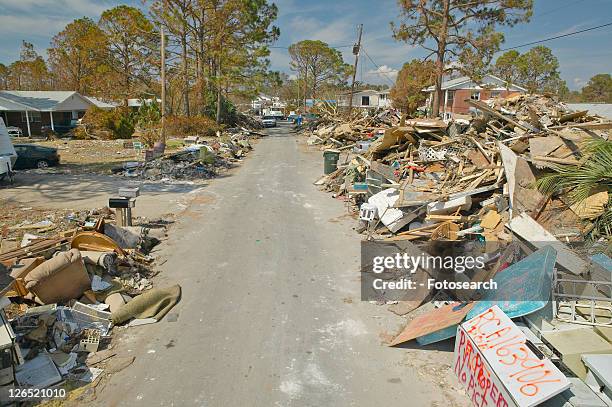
[182,126]
[108,124]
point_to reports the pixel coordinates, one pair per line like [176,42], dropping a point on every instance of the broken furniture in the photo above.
[59,279]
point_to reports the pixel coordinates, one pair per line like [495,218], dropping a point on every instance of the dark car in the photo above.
[33,156]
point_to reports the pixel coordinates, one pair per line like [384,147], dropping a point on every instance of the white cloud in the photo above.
[27,25]
[57,7]
[37,21]
[384,75]
[579,82]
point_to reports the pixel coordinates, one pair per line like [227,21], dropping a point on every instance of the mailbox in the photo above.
[121,203]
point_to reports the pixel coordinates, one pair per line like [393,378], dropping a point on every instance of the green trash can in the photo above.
[330,161]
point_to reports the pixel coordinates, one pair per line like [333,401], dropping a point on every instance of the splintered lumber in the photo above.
[33,249]
[570,117]
[485,108]
[448,217]
[556,160]
[482,150]
[586,126]
[413,236]
[423,231]
[534,234]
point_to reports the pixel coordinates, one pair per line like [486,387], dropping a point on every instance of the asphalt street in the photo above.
[270,313]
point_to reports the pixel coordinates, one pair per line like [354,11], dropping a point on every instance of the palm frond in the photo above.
[595,171]
[581,180]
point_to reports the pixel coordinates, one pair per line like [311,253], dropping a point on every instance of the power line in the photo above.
[378,67]
[338,46]
[556,37]
[550,11]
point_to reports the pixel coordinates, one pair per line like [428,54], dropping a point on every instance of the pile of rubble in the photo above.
[64,292]
[481,183]
[427,173]
[201,158]
[248,121]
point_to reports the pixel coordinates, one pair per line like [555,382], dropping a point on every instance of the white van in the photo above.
[8,156]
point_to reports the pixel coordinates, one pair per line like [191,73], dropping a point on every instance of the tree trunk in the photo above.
[185,74]
[440,59]
[435,109]
[305,87]
[202,73]
[219,90]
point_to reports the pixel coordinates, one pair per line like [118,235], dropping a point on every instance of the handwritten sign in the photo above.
[498,369]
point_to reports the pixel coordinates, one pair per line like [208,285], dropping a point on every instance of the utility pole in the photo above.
[163,82]
[356,50]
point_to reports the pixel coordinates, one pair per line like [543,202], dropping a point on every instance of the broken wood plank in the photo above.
[555,160]
[534,234]
[585,126]
[485,108]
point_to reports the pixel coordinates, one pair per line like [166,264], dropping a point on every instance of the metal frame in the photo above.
[567,307]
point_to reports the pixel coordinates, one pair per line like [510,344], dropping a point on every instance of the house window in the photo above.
[450,97]
[34,117]
[475,95]
[383,96]
[495,93]
[365,101]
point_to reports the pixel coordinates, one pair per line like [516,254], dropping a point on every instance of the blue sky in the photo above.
[335,22]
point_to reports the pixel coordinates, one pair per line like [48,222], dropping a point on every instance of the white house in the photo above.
[366,99]
[267,102]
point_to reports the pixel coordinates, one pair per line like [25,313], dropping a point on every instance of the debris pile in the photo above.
[201,158]
[523,182]
[431,174]
[248,121]
[64,292]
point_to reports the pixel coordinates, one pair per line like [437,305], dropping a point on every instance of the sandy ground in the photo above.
[45,189]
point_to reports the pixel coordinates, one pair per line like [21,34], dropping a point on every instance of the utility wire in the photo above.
[378,67]
[556,37]
[554,10]
[339,46]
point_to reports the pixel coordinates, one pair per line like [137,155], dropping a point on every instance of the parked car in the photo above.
[33,156]
[14,131]
[269,121]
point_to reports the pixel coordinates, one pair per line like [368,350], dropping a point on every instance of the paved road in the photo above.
[270,314]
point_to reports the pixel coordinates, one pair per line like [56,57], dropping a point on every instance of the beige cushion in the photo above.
[59,279]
